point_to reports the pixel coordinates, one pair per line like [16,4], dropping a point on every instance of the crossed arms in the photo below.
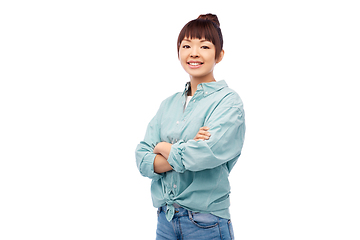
[162,151]
[227,127]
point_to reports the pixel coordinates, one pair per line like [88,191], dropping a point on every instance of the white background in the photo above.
[80,80]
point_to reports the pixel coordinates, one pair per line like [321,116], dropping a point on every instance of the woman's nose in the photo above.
[194,53]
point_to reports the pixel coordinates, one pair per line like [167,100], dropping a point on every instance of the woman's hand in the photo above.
[203,134]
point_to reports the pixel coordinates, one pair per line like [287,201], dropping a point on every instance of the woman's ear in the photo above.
[220,56]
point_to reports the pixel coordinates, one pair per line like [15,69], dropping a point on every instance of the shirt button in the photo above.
[175,186]
[205,92]
[194,100]
[177,122]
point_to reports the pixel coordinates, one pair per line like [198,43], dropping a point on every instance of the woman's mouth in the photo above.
[194,64]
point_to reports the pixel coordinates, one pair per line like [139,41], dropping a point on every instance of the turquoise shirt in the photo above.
[199,179]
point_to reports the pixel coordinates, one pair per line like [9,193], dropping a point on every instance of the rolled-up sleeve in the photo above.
[227,128]
[144,150]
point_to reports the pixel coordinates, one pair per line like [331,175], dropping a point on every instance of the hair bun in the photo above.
[210,17]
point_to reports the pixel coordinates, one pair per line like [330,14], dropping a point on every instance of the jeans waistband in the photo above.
[179,211]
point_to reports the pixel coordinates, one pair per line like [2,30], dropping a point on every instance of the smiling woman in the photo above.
[194,141]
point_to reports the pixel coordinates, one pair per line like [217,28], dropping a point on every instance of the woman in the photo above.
[194,141]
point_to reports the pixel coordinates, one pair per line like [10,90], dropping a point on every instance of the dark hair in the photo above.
[205,26]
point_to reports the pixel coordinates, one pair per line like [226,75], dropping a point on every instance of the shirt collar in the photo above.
[208,88]
[187,86]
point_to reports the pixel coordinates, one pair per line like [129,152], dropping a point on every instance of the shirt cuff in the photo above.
[147,167]
[175,157]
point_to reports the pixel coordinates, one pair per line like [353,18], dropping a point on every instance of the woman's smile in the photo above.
[194,64]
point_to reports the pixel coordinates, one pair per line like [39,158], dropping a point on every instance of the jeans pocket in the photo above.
[203,220]
[231,230]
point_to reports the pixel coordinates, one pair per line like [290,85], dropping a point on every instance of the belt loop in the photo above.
[190,215]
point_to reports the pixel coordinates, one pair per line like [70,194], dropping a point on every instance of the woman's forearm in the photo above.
[161,164]
[163,148]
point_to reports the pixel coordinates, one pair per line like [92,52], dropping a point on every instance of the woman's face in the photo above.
[197,57]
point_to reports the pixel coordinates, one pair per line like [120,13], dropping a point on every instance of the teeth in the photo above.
[194,64]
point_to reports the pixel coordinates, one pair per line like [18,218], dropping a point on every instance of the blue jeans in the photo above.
[188,225]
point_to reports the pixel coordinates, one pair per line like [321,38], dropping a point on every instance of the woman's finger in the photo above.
[202,132]
[201,136]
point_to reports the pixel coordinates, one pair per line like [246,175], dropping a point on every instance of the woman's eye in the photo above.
[186,46]
[205,47]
